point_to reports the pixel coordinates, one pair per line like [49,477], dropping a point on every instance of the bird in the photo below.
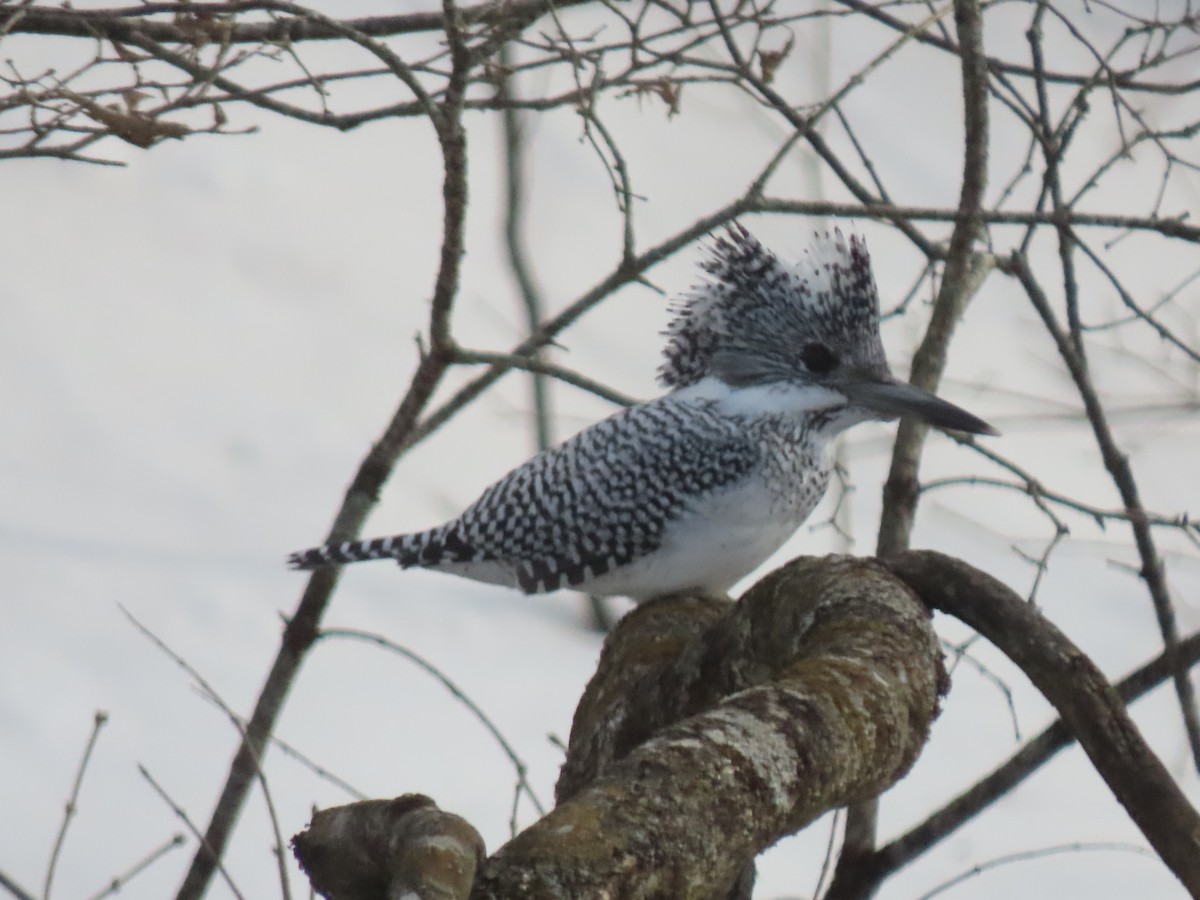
[765,362]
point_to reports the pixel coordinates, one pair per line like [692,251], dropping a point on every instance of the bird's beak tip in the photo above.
[892,398]
[982,429]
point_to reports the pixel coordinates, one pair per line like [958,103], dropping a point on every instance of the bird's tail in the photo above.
[404,548]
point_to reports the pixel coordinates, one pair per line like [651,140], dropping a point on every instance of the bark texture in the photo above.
[383,849]
[709,731]
[721,727]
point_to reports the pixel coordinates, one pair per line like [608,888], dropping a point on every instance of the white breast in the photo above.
[716,544]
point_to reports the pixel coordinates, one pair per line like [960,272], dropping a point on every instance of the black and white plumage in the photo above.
[693,490]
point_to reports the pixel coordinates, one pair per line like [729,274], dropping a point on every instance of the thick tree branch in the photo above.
[710,730]
[378,849]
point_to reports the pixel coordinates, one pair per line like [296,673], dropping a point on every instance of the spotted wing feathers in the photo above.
[580,510]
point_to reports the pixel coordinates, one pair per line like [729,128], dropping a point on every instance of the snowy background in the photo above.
[197,349]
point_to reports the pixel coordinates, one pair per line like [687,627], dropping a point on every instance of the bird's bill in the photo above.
[891,399]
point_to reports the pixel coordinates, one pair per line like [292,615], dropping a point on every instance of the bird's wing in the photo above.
[602,499]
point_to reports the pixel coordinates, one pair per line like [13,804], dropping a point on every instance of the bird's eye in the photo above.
[818,358]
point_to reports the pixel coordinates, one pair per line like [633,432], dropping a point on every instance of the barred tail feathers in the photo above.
[406,549]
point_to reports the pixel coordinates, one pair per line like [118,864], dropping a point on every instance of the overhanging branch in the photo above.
[189,23]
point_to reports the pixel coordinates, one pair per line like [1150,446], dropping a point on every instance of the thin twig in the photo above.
[1126,80]
[1175,227]
[962,653]
[458,693]
[1027,855]
[212,695]
[374,470]
[9,884]
[122,881]
[542,367]
[98,722]
[182,815]
[1117,463]
[788,112]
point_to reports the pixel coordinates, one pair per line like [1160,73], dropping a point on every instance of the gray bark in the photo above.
[391,849]
[712,729]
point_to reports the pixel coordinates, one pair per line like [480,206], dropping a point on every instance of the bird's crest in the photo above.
[753,315]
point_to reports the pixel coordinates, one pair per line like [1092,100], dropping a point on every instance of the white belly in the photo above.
[711,548]
[722,538]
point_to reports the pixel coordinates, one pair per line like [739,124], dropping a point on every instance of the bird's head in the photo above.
[756,321]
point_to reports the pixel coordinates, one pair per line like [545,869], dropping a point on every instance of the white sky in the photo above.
[197,349]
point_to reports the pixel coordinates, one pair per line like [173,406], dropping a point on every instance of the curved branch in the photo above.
[1038,751]
[712,729]
[1088,704]
[1153,571]
[816,689]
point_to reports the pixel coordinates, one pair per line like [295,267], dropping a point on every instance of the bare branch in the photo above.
[1080,693]
[182,815]
[210,693]
[541,367]
[1025,855]
[9,884]
[1117,464]
[405,847]
[1170,227]
[122,881]
[98,722]
[518,764]
[363,492]
[1127,80]
[1020,766]
[190,21]
[964,274]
